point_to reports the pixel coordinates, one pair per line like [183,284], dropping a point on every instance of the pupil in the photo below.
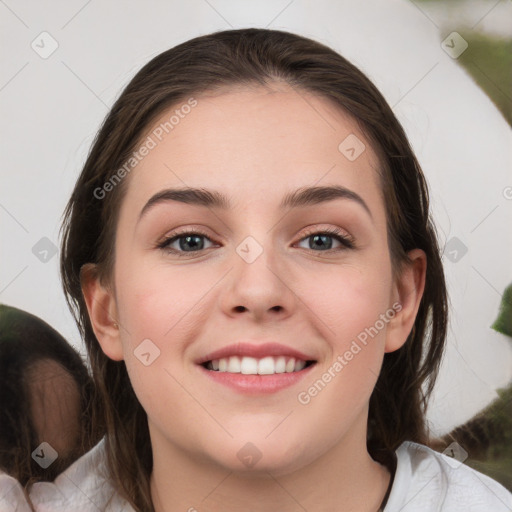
[321,239]
[192,241]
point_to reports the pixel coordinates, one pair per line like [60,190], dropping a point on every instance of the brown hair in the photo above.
[248,57]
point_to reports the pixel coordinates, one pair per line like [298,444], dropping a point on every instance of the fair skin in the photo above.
[255,146]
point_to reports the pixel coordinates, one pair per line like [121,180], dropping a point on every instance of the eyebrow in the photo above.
[305,196]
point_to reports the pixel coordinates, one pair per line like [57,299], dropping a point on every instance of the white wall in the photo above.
[52,107]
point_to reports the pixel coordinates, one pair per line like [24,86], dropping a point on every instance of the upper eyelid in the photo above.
[330,231]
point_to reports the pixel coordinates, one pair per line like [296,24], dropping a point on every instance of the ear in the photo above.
[101,306]
[406,297]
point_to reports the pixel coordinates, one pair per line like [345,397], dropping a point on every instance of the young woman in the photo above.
[250,258]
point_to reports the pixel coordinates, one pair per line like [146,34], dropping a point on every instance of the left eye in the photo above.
[187,242]
[323,240]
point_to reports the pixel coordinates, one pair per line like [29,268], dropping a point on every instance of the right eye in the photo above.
[190,241]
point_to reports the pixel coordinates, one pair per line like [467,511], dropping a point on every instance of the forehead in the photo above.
[254,144]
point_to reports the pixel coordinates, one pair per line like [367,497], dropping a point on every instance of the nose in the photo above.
[260,285]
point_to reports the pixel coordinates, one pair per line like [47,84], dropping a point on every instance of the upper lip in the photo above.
[257,351]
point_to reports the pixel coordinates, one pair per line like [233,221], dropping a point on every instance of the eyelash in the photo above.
[336,233]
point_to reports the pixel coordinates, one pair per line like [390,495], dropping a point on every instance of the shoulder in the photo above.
[426,480]
[82,486]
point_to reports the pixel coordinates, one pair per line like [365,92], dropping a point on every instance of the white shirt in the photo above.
[425,480]
[82,487]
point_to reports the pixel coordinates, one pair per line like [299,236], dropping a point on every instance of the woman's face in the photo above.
[259,283]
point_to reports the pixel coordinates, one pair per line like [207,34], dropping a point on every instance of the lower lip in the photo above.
[257,384]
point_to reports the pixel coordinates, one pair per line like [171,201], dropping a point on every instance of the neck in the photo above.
[343,478]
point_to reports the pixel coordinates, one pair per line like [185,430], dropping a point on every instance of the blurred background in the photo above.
[488,57]
[486,439]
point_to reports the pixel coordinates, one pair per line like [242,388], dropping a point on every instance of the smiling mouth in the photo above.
[246,365]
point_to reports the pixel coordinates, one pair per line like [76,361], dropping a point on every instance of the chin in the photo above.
[278,456]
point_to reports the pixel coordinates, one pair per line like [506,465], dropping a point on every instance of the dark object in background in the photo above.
[46,395]
[503,323]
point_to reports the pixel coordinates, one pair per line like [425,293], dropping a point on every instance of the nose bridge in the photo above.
[257,285]
[250,249]
[258,244]
[255,258]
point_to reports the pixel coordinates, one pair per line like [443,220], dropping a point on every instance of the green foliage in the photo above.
[489,61]
[503,323]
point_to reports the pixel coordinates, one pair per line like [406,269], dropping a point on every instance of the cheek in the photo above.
[348,299]
[168,306]
[353,305]
[157,301]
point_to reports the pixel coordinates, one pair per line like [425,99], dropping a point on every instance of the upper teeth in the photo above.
[252,366]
